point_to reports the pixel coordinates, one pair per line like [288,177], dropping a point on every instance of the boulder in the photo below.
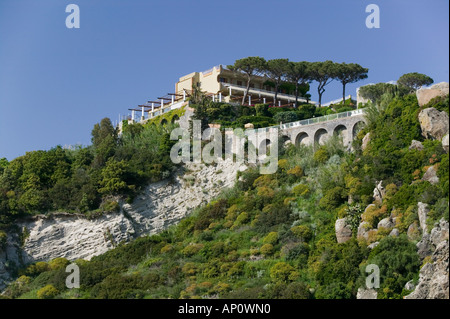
[343,231]
[433,123]
[422,211]
[410,285]
[416,145]
[366,293]
[394,233]
[431,175]
[365,141]
[386,223]
[425,95]
[373,245]
[363,231]
[445,143]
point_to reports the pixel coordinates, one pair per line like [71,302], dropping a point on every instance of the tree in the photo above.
[299,74]
[250,66]
[276,70]
[374,92]
[323,73]
[104,139]
[350,73]
[113,176]
[414,80]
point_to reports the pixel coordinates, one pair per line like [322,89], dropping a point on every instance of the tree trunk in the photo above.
[296,95]
[320,92]
[246,91]
[343,93]
[276,94]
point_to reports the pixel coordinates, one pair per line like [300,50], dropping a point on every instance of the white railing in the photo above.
[265,92]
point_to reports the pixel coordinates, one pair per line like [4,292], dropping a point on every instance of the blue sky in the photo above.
[56,83]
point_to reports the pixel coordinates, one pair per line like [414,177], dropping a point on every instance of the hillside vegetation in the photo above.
[270,236]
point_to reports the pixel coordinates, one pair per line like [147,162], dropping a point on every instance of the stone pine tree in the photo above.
[251,66]
[276,70]
[414,80]
[298,73]
[349,73]
[323,73]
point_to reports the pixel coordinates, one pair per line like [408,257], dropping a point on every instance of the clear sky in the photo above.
[56,83]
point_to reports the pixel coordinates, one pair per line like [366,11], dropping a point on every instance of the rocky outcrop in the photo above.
[416,145]
[366,293]
[434,276]
[425,95]
[343,230]
[422,211]
[363,230]
[431,175]
[365,141]
[386,223]
[160,205]
[445,143]
[379,192]
[433,123]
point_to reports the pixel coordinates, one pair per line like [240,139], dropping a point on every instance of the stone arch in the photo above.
[285,140]
[302,138]
[341,131]
[320,136]
[175,119]
[264,150]
[357,127]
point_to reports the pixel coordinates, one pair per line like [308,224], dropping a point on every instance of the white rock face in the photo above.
[160,205]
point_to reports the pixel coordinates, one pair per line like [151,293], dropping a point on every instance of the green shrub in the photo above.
[286,117]
[321,155]
[302,232]
[271,238]
[283,272]
[301,190]
[58,263]
[47,292]
[267,249]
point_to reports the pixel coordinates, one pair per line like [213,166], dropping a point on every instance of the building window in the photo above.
[199,84]
[239,82]
[252,85]
[223,80]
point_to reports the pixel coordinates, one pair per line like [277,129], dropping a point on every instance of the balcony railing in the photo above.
[264,92]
